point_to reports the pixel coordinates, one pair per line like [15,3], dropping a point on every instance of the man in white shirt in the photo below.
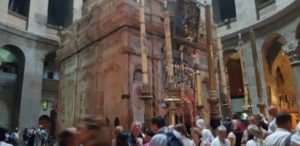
[273,111]
[221,140]
[282,135]
[3,137]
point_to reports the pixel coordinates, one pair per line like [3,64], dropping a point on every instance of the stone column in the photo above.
[245,12]
[3,10]
[294,58]
[261,105]
[31,92]
[77,5]
[37,18]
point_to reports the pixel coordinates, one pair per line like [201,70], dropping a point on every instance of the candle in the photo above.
[199,88]
[143,45]
[168,45]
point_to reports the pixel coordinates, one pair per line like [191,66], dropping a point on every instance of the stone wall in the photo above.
[100,57]
[33,48]
[283,23]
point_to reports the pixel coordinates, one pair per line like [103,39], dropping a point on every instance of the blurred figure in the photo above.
[282,135]
[227,123]
[119,129]
[3,137]
[273,112]
[14,137]
[122,139]
[260,132]
[181,129]
[67,137]
[164,136]
[148,136]
[221,140]
[207,136]
[196,136]
[253,140]
[237,133]
[158,124]
[295,140]
[239,124]
[31,137]
[87,131]
[231,136]
[135,137]
[25,135]
[263,122]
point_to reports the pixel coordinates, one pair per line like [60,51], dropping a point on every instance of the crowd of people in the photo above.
[255,131]
[31,137]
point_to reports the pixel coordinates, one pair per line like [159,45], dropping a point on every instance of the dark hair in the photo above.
[122,139]
[2,134]
[283,118]
[64,137]
[158,121]
[181,129]
[92,122]
[250,136]
[149,133]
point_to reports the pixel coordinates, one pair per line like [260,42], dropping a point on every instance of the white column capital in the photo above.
[291,52]
[141,2]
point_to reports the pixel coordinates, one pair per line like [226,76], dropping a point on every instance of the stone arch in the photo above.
[278,72]
[45,122]
[12,72]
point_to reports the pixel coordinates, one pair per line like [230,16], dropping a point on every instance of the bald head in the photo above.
[273,111]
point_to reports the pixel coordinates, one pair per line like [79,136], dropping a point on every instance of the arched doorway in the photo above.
[45,122]
[278,74]
[12,62]
[233,62]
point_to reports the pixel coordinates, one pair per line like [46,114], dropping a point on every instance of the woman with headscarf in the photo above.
[207,136]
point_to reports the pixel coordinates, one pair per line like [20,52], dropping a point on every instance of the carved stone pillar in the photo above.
[291,52]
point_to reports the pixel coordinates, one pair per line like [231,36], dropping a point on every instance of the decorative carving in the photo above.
[291,51]
[287,102]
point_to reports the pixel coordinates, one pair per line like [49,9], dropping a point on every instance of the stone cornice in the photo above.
[28,35]
[229,34]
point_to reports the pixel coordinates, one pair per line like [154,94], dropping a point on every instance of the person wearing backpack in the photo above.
[163,135]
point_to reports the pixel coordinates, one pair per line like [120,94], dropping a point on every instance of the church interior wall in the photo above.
[285,27]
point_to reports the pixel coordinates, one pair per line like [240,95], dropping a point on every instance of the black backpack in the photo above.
[173,140]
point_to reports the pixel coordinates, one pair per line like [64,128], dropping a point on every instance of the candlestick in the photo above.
[199,88]
[142,42]
[168,44]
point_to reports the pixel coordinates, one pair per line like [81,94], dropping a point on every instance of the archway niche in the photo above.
[233,62]
[12,62]
[278,75]
[45,122]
